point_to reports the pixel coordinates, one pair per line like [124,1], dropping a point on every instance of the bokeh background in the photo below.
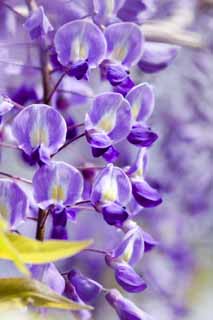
[180,271]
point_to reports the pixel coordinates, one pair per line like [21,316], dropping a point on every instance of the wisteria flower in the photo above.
[108,122]
[143,193]
[58,186]
[125,44]
[38,24]
[80,46]
[157,56]
[137,11]
[13,203]
[125,308]
[110,194]
[40,131]
[86,288]
[142,101]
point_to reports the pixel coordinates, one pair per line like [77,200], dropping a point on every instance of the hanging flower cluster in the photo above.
[88,59]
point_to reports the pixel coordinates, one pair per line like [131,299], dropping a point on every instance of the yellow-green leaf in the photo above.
[7,251]
[36,252]
[26,291]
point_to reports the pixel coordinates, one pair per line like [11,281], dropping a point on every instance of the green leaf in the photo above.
[19,292]
[36,252]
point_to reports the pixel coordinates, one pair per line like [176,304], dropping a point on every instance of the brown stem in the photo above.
[45,75]
[40,231]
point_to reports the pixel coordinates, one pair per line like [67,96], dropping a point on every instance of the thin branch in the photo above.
[69,142]
[55,87]
[9,7]
[15,177]
[8,145]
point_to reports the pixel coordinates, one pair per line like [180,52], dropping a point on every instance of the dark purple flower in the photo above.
[38,24]
[125,309]
[114,214]
[137,10]
[157,56]
[13,203]
[108,122]
[80,45]
[86,288]
[40,131]
[48,274]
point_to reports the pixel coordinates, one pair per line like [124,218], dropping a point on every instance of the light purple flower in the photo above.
[38,24]
[157,56]
[86,288]
[5,105]
[125,309]
[110,194]
[131,248]
[13,203]
[40,131]
[57,183]
[80,45]
[49,275]
[142,101]
[108,121]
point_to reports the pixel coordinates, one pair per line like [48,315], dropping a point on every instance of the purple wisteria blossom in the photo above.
[40,131]
[80,46]
[125,309]
[107,123]
[125,43]
[38,24]
[142,101]
[58,186]
[13,203]
[157,56]
[137,11]
[143,193]
[111,193]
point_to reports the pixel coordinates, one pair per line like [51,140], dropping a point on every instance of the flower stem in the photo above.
[15,177]
[40,231]
[55,87]
[69,142]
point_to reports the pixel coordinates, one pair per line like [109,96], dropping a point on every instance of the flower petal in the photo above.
[57,183]
[80,40]
[145,195]
[124,43]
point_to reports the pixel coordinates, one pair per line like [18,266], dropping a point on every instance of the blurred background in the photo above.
[180,271]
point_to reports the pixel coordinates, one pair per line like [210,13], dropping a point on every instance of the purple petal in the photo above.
[138,168]
[86,288]
[124,87]
[137,10]
[131,248]
[49,275]
[142,136]
[142,101]
[145,195]
[111,154]
[13,203]
[106,11]
[157,56]
[108,120]
[124,43]
[80,40]
[111,185]
[116,74]
[114,214]
[128,279]
[39,125]
[149,241]
[57,183]
[125,309]
[38,24]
